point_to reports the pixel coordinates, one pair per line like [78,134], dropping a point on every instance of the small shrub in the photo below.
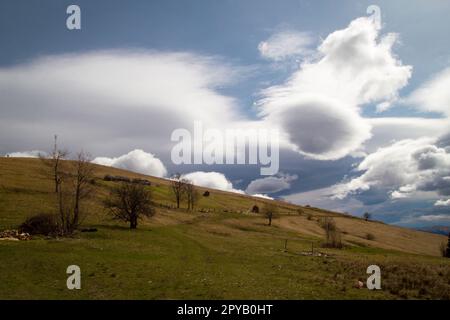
[270,212]
[367,216]
[43,224]
[309,216]
[370,237]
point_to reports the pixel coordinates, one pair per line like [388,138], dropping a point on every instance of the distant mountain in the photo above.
[444,230]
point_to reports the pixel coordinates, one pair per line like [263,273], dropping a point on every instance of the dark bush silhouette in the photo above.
[141,181]
[116,178]
[255,209]
[206,193]
[370,236]
[43,224]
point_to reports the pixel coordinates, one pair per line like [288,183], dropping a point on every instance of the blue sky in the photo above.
[222,40]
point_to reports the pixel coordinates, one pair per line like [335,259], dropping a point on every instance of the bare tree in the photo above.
[367,216]
[82,187]
[74,187]
[270,211]
[178,188]
[333,235]
[192,194]
[129,202]
[54,162]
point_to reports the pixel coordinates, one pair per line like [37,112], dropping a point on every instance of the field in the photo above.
[219,251]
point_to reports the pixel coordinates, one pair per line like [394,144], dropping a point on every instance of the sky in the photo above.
[362,105]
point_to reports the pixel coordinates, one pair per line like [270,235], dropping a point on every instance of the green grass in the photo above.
[176,262]
[180,255]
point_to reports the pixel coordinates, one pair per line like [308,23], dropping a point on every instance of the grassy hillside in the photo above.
[219,251]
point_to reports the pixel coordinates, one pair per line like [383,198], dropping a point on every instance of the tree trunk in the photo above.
[447,252]
[61,212]
[133,223]
[56,184]
[76,210]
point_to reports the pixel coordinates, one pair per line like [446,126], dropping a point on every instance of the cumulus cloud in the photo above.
[433,95]
[271,184]
[137,161]
[402,169]
[213,180]
[285,44]
[111,101]
[444,203]
[27,154]
[319,107]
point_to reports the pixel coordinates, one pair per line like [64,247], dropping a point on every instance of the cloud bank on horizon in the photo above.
[122,100]
[137,161]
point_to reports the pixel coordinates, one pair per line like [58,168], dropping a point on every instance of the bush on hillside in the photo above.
[370,237]
[43,224]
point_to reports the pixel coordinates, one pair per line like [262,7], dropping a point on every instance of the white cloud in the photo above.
[403,169]
[319,106]
[110,101]
[137,161]
[433,95]
[323,198]
[387,130]
[27,154]
[434,218]
[213,180]
[285,44]
[271,184]
[263,196]
[444,203]
[426,219]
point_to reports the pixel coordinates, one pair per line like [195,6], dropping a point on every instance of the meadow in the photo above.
[220,250]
